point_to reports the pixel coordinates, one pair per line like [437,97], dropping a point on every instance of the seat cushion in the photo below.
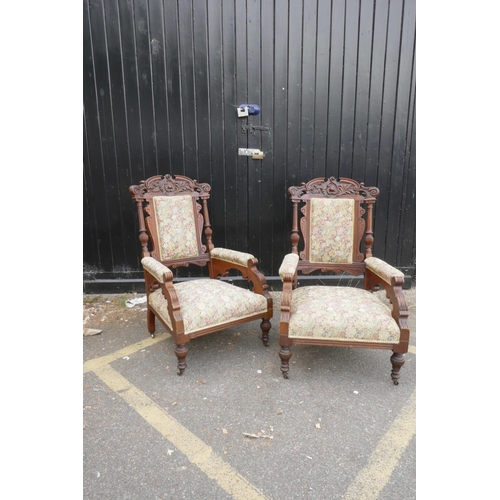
[209,302]
[341,313]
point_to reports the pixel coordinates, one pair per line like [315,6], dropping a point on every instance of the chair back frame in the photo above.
[332,188]
[144,193]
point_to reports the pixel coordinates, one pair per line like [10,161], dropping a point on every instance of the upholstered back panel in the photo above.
[176,228]
[331,236]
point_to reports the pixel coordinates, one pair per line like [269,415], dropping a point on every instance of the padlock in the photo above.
[242,111]
[258,156]
[248,109]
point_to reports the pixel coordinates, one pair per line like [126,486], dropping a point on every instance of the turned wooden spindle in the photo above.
[369,228]
[143,234]
[295,228]
[208,227]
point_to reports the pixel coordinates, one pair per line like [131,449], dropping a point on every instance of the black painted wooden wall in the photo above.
[335,80]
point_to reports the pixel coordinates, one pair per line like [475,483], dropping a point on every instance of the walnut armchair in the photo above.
[336,214]
[172,215]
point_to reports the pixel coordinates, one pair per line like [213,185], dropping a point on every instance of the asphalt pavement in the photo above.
[231,426]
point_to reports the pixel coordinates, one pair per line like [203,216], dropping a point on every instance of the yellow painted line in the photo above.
[96,363]
[185,441]
[372,478]
[367,486]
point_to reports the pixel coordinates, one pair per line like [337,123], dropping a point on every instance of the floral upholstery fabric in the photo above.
[156,268]
[288,266]
[332,230]
[209,302]
[341,313]
[175,223]
[382,269]
[232,256]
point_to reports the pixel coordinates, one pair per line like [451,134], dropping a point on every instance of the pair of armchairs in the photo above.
[337,216]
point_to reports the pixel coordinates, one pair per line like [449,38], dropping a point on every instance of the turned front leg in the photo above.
[181,352]
[151,323]
[285,355]
[265,327]
[397,360]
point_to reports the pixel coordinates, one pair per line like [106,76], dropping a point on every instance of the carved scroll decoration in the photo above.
[333,188]
[168,185]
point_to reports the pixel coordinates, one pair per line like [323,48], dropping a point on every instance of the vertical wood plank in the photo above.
[241,97]
[307,85]
[145,83]
[158,54]
[188,102]
[216,113]
[118,175]
[294,91]
[362,89]
[174,84]
[253,23]
[267,164]
[349,85]
[386,240]
[202,90]
[100,137]
[230,125]
[396,202]
[321,98]
[335,88]
[281,224]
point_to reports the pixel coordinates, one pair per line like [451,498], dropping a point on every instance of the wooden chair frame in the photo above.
[157,273]
[392,281]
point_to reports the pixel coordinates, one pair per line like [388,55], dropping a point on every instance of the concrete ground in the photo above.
[231,426]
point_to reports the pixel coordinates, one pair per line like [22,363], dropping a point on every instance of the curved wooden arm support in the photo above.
[158,275]
[250,272]
[288,274]
[174,307]
[169,292]
[286,303]
[394,291]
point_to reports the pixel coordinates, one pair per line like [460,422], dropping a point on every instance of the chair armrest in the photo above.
[383,270]
[163,275]
[232,256]
[288,267]
[223,259]
[379,272]
[288,275]
[158,270]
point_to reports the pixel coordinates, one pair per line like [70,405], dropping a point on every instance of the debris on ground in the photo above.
[90,331]
[134,302]
[260,434]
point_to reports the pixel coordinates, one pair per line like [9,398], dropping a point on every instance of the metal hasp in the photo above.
[248,109]
[251,129]
[256,154]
